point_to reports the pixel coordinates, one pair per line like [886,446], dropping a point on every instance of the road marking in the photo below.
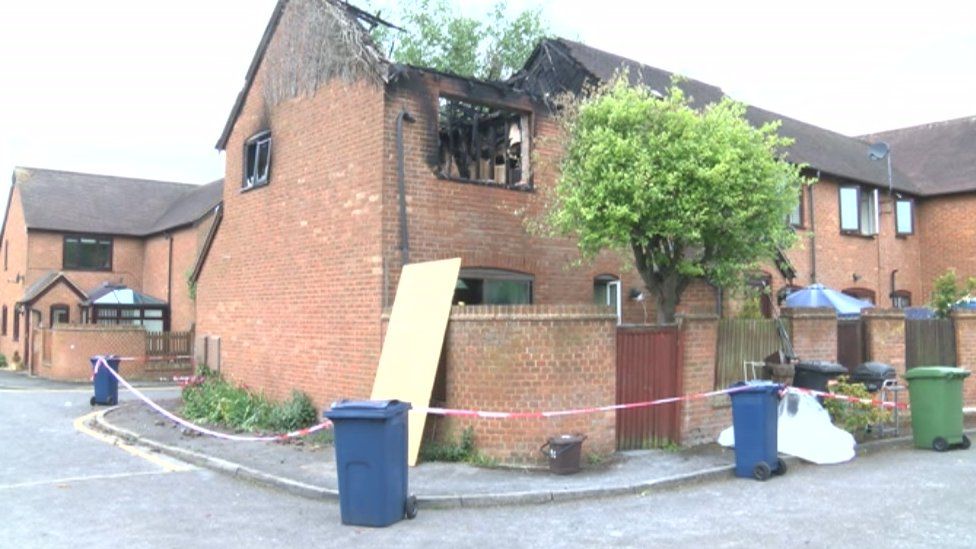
[169,465]
[63,481]
[80,390]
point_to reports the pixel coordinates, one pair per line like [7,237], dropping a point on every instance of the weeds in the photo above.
[211,399]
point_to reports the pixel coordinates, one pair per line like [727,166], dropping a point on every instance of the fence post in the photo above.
[701,421]
[885,337]
[965,325]
[813,332]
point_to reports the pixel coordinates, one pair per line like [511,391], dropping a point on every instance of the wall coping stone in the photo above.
[696,317]
[532,313]
[960,314]
[808,312]
[95,328]
[887,314]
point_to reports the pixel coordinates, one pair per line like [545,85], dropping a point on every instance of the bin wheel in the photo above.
[761,471]
[92,401]
[410,507]
[113,401]
[965,443]
[780,467]
[940,444]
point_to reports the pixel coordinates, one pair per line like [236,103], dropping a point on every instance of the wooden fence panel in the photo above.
[741,340]
[930,342]
[169,344]
[649,364]
[850,343]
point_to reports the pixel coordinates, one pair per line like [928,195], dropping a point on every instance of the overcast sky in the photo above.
[142,89]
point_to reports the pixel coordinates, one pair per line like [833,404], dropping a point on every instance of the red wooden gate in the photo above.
[648,368]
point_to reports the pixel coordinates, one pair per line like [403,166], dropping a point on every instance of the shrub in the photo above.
[854,417]
[461,450]
[214,400]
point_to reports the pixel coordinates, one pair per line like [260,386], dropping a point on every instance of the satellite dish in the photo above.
[878,150]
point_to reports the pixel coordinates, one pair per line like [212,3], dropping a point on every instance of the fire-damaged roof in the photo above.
[559,65]
[939,157]
[78,202]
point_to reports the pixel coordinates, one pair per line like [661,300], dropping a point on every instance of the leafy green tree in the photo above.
[436,36]
[946,292]
[690,193]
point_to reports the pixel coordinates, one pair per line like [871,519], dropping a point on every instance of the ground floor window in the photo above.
[493,287]
[153,319]
[901,299]
[861,293]
[606,291]
[59,314]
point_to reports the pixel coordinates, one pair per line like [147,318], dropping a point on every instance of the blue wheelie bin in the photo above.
[755,413]
[105,384]
[371,461]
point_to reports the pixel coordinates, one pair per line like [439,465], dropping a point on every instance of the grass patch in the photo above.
[211,399]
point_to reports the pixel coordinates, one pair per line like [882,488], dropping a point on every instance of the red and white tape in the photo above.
[482,414]
[100,362]
[846,398]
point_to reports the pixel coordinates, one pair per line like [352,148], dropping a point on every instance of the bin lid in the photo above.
[566,439]
[873,370]
[366,409]
[821,366]
[756,386]
[932,372]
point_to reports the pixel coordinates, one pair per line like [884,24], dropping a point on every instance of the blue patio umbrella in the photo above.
[818,295]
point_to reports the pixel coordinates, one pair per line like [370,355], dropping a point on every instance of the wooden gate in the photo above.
[850,343]
[743,340]
[930,342]
[649,363]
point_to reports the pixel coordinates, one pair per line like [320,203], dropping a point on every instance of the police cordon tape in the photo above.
[846,398]
[100,362]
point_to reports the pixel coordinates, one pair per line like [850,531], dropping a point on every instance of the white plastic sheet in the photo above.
[805,431]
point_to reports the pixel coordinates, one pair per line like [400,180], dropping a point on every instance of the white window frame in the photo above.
[258,142]
[911,216]
[615,302]
[866,201]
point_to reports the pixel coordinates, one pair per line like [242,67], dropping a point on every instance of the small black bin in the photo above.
[872,375]
[814,374]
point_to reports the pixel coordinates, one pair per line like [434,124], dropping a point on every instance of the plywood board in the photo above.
[414,338]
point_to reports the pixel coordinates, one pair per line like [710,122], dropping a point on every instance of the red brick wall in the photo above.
[45,254]
[11,285]
[947,228]
[73,346]
[701,419]
[885,337]
[292,283]
[486,226]
[965,322]
[531,358]
[170,284]
[840,256]
[813,333]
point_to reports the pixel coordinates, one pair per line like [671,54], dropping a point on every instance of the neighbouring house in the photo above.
[99,250]
[343,166]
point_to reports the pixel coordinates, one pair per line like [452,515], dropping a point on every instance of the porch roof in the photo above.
[117,294]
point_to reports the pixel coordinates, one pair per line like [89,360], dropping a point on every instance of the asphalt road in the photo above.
[61,487]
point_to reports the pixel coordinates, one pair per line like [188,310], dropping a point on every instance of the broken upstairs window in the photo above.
[483,143]
[257,160]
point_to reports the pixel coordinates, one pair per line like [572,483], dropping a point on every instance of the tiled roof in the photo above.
[78,202]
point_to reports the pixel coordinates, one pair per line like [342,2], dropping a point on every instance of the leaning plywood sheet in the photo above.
[414,338]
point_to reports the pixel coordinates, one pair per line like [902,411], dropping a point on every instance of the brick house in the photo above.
[343,166]
[82,248]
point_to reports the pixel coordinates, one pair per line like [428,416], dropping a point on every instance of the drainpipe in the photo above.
[813,235]
[892,294]
[169,274]
[401,188]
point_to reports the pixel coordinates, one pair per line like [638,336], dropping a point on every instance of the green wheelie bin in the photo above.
[936,404]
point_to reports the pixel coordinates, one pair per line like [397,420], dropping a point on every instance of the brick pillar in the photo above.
[965,324]
[813,332]
[701,420]
[884,337]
